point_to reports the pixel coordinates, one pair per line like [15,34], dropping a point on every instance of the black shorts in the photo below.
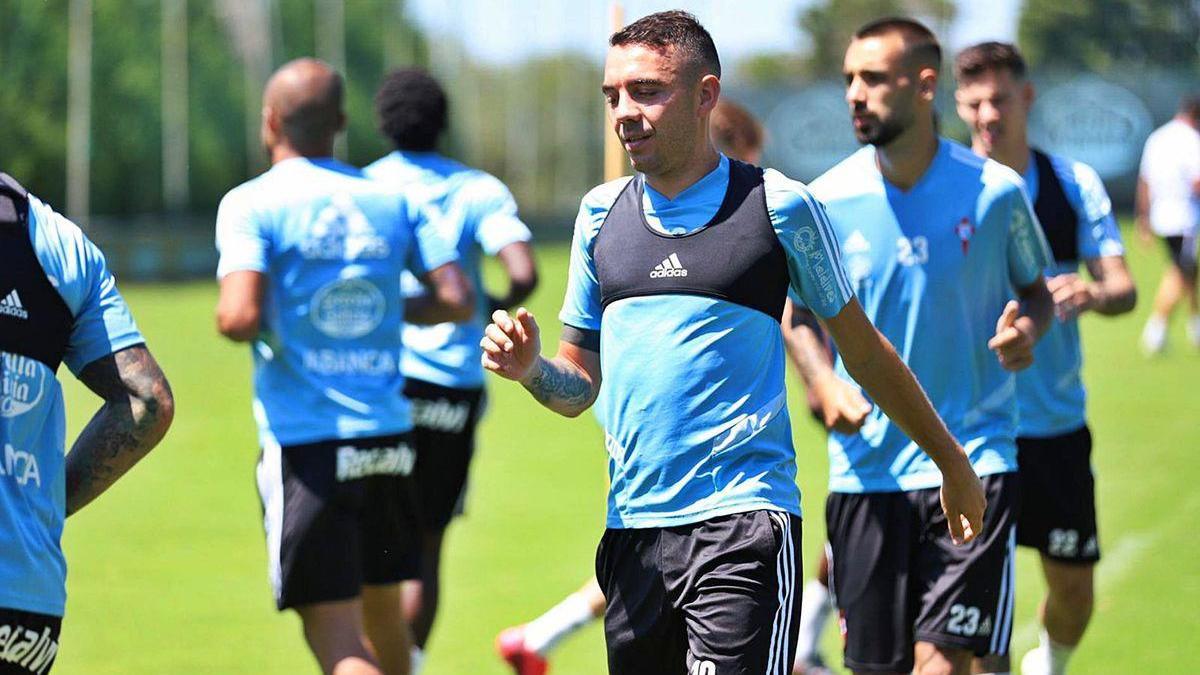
[338,516]
[1058,497]
[718,596]
[1182,252]
[28,642]
[444,421]
[897,578]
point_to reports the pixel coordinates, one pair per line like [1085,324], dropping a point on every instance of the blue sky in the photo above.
[516,29]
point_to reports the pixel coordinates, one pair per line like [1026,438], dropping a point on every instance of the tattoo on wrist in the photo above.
[553,383]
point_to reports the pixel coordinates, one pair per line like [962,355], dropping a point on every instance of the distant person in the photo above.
[677,284]
[1168,205]
[1054,445]
[526,647]
[311,257]
[442,374]
[943,250]
[59,303]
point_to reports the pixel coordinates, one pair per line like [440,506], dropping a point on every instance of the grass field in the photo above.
[168,570]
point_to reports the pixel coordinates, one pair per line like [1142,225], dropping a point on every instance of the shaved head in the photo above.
[302,107]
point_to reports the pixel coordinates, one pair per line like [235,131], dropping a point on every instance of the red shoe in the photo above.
[510,645]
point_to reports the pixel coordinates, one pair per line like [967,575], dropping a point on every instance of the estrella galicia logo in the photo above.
[341,231]
[347,308]
[22,384]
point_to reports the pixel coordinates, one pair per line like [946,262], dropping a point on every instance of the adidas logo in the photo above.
[671,267]
[11,306]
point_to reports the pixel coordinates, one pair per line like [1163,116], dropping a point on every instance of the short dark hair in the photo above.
[676,29]
[921,45]
[989,56]
[412,109]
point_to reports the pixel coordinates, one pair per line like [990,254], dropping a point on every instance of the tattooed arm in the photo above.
[566,384]
[138,408]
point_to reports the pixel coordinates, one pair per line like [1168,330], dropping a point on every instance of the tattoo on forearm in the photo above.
[557,384]
[137,409]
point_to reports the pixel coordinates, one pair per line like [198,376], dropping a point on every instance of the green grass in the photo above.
[168,570]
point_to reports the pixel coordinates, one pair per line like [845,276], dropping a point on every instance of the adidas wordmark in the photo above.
[11,306]
[669,267]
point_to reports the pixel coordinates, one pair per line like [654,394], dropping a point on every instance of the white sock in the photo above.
[568,616]
[1056,654]
[1154,335]
[416,660]
[814,612]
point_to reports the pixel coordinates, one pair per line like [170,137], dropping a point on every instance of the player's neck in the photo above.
[903,161]
[670,183]
[1188,120]
[1015,157]
[281,152]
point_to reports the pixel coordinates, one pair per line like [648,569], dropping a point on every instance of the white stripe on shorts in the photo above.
[1004,604]
[269,474]
[779,660]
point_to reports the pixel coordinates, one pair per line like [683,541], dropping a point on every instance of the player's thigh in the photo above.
[30,642]
[968,599]
[873,540]
[643,632]
[445,421]
[738,580]
[1058,498]
[310,521]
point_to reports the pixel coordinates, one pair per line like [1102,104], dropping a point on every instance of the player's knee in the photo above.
[940,660]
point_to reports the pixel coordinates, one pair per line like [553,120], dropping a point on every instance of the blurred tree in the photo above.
[830,24]
[769,69]
[1100,34]
[33,100]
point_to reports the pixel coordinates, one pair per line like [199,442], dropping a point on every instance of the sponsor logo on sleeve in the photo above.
[806,244]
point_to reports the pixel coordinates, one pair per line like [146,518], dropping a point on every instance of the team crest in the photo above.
[965,230]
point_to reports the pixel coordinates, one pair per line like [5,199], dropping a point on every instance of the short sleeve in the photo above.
[497,222]
[79,272]
[243,241]
[1099,235]
[1027,250]
[431,249]
[818,279]
[581,304]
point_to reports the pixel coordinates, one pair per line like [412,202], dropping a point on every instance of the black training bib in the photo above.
[736,257]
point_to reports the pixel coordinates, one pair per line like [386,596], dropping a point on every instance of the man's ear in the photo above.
[927,82]
[1029,94]
[710,91]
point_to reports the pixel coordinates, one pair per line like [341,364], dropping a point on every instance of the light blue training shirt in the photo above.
[934,267]
[32,420]
[477,213]
[332,244]
[1050,393]
[692,400]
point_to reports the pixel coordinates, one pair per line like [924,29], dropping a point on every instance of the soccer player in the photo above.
[59,304]
[738,135]
[677,283]
[442,374]
[1054,446]
[1168,205]
[311,256]
[935,240]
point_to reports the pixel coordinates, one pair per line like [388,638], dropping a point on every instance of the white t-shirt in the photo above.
[1171,167]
